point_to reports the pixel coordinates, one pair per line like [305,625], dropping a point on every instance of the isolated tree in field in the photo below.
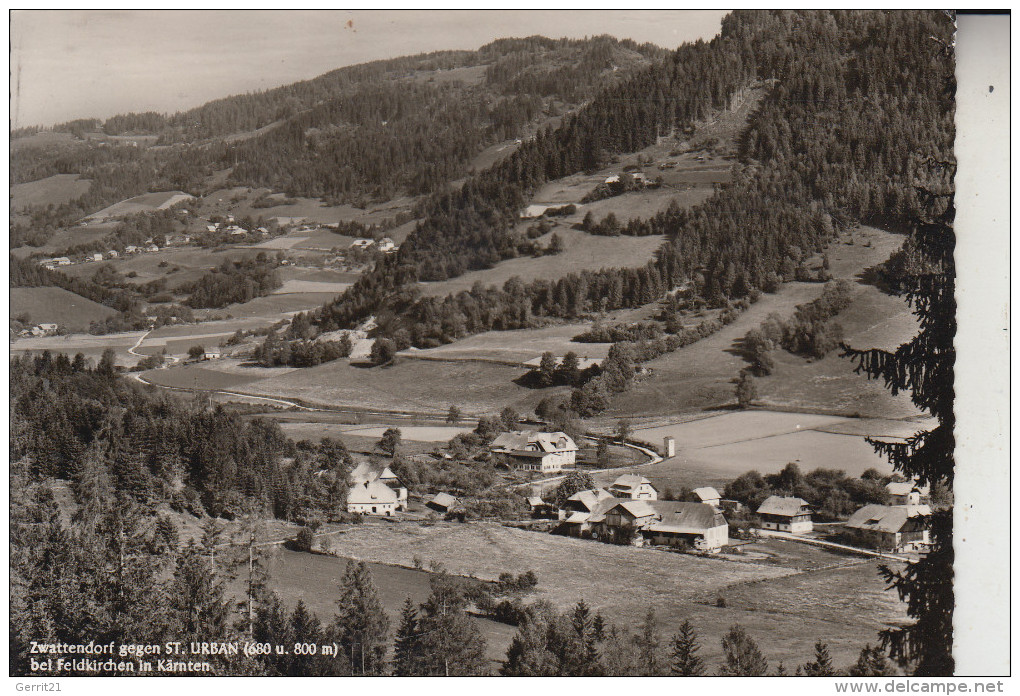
[743,658]
[746,390]
[623,429]
[196,352]
[821,666]
[383,351]
[547,369]
[684,660]
[602,456]
[360,625]
[575,482]
[390,441]
[510,418]
[453,415]
[924,367]
[555,244]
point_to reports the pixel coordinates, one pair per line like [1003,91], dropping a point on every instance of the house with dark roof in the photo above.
[695,525]
[534,451]
[634,487]
[586,501]
[581,521]
[887,528]
[786,514]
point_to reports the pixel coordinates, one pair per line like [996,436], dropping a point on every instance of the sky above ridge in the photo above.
[68,64]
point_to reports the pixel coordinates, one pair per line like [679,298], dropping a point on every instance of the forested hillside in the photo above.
[860,103]
[354,135]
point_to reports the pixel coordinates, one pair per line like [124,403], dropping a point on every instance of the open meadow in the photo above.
[52,305]
[623,582]
[53,190]
[515,346]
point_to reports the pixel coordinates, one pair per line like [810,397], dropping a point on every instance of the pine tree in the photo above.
[648,645]
[821,666]
[450,642]
[924,367]
[743,658]
[684,657]
[360,625]
[872,663]
[405,647]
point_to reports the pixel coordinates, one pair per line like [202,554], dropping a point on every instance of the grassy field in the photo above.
[517,346]
[702,375]
[145,203]
[315,287]
[715,450]
[417,385]
[51,305]
[784,608]
[53,190]
[581,251]
[195,377]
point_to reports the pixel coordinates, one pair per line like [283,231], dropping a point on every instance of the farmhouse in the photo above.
[587,501]
[386,245]
[623,521]
[130,249]
[152,247]
[786,515]
[61,261]
[95,257]
[903,493]
[887,528]
[210,228]
[707,495]
[113,253]
[634,487]
[44,329]
[698,525]
[534,451]
[372,498]
[443,502]
[362,243]
[211,354]
[541,510]
[367,472]
[579,523]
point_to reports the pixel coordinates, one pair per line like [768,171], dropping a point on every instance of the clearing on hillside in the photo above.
[51,305]
[145,203]
[53,190]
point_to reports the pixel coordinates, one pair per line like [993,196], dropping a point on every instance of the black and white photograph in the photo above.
[466,343]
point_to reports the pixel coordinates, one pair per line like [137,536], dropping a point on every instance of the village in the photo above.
[630,511]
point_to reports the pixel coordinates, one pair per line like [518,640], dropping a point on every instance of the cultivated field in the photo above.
[416,433]
[53,190]
[90,346]
[52,305]
[582,251]
[292,287]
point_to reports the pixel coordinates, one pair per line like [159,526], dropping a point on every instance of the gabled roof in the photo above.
[885,518]
[370,471]
[371,492]
[443,500]
[590,499]
[901,487]
[785,507]
[706,493]
[685,518]
[535,501]
[598,513]
[635,508]
[629,481]
[516,442]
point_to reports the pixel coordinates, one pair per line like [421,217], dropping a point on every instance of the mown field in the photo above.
[52,305]
[53,190]
[145,203]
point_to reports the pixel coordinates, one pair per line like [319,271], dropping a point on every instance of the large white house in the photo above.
[534,451]
[786,514]
[366,472]
[372,498]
